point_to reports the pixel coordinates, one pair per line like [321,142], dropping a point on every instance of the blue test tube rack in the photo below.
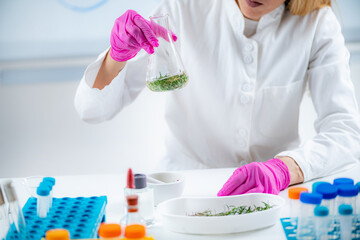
[82,216]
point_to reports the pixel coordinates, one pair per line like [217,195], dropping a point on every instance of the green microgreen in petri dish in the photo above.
[233,210]
[167,83]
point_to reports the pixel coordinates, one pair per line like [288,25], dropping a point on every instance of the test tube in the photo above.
[321,214]
[294,196]
[306,224]
[43,192]
[347,195]
[16,216]
[50,187]
[4,220]
[329,193]
[346,218]
[51,182]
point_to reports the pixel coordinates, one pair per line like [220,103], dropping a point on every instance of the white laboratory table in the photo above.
[198,183]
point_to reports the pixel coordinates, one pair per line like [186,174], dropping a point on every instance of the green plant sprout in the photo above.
[167,83]
[232,210]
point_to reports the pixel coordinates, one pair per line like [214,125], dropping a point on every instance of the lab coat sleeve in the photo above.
[337,143]
[94,105]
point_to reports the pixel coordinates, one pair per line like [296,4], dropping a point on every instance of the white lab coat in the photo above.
[242,100]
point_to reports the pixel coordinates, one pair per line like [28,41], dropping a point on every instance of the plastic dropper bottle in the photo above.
[132,216]
[146,198]
[110,231]
[346,221]
[57,234]
[321,214]
[4,219]
[294,196]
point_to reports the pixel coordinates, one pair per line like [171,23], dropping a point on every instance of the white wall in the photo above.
[41,133]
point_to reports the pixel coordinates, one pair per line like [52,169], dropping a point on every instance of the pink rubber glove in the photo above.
[271,176]
[131,33]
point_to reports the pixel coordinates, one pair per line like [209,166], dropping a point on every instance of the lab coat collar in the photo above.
[237,18]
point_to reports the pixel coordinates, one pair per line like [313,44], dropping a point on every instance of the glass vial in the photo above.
[165,70]
[132,215]
[145,198]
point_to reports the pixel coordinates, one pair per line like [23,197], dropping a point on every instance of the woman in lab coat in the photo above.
[248,63]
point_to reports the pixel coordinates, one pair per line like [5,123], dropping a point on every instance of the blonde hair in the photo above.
[303,7]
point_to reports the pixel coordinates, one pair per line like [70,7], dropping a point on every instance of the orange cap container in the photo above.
[109,230]
[294,192]
[57,234]
[135,231]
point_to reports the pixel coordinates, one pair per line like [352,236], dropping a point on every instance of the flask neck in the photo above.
[160,20]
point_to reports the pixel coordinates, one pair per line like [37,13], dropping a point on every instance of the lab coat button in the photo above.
[249,47]
[242,143]
[248,59]
[247,87]
[242,132]
[244,99]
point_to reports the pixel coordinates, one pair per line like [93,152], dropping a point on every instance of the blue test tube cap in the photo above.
[49,179]
[47,185]
[341,181]
[310,198]
[347,190]
[316,184]
[345,209]
[321,211]
[327,191]
[43,191]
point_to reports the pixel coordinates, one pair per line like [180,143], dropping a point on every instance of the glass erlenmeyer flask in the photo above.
[165,70]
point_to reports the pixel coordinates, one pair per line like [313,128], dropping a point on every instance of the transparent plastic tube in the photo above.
[346,221]
[294,202]
[321,222]
[347,196]
[43,193]
[306,222]
[329,193]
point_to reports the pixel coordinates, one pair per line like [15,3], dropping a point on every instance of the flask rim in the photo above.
[161,15]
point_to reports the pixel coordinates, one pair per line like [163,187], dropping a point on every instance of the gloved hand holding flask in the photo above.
[131,33]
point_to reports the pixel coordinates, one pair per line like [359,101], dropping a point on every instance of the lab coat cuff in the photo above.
[304,166]
[91,74]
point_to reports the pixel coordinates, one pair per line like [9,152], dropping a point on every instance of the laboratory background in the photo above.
[45,46]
